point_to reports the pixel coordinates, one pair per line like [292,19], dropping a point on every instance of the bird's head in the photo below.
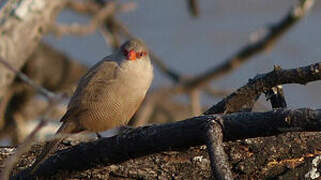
[134,50]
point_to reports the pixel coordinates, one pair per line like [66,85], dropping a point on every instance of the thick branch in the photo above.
[179,135]
[22,26]
[245,96]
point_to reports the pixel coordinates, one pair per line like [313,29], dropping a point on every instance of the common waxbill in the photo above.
[108,95]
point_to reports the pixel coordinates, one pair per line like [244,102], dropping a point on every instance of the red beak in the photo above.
[131,55]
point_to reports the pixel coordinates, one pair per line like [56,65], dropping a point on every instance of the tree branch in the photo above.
[273,34]
[244,97]
[22,26]
[219,163]
[177,136]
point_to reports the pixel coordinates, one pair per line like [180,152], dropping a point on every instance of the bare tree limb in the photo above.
[245,96]
[48,94]
[219,163]
[22,26]
[96,21]
[174,136]
[274,33]
[195,102]
[100,14]
[91,7]
[193,7]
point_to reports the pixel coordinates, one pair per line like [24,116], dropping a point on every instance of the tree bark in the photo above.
[180,136]
[23,23]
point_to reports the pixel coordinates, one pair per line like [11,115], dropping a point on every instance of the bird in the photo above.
[107,96]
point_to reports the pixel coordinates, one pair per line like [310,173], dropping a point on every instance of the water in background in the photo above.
[192,45]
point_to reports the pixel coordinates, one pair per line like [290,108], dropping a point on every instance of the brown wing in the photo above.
[91,85]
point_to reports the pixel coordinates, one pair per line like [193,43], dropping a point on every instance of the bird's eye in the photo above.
[125,52]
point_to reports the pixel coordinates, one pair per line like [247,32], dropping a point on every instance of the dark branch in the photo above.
[219,163]
[177,136]
[245,96]
[276,96]
[193,8]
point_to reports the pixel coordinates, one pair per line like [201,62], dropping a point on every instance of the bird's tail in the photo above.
[66,128]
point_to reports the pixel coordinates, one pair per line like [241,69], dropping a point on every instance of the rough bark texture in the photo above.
[245,97]
[22,24]
[182,135]
[287,156]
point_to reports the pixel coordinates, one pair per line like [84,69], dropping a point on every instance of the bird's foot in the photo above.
[125,129]
[98,136]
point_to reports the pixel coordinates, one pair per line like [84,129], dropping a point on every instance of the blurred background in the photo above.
[192,40]
[191,45]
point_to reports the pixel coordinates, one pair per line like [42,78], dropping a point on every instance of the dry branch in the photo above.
[23,23]
[276,97]
[77,29]
[219,163]
[174,136]
[244,97]
[26,79]
[193,7]
[274,33]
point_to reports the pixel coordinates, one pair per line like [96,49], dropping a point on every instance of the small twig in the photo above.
[276,97]
[214,142]
[96,21]
[110,38]
[83,7]
[145,112]
[90,7]
[110,31]
[148,107]
[195,102]
[274,33]
[193,7]
[100,14]
[26,79]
